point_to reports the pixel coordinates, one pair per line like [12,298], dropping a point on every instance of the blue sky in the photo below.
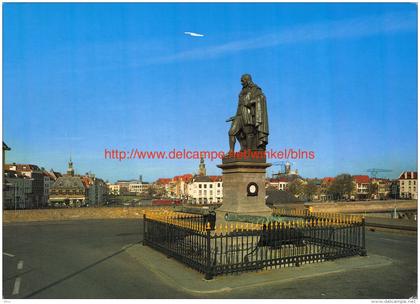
[340,80]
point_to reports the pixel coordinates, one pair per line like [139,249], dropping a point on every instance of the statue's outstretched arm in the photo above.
[231,119]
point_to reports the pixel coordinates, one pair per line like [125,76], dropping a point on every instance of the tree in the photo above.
[372,189]
[310,189]
[296,187]
[151,191]
[341,186]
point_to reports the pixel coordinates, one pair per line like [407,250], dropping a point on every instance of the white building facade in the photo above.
[138,187]
[205,190]
[408,184]
[279,183]
[113,189]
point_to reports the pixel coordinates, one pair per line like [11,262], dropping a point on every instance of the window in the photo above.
[210,186]
[199,185]
[205,185]
[218,184]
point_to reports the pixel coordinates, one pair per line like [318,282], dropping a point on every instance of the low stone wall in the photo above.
[363,206]
[37,215]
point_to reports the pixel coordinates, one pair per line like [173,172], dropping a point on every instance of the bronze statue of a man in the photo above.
[250,125]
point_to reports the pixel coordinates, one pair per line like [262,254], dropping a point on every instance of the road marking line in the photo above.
[20,265]
[16,287]
[9,254]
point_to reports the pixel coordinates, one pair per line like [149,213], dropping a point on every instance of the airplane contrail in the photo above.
[194,34]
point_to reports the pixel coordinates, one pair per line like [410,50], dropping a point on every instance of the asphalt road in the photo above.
[87,259]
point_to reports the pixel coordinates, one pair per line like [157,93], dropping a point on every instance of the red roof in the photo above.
[163,181]
[87,181]
[361,179]
[328,179]
[185,177]
[408,175]
[215,178]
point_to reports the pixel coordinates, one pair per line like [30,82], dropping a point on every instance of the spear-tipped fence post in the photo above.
[363,251]
[144,229]
[209,268]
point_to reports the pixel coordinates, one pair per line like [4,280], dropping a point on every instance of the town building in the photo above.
[179,185]
[124,185]
[205,190]
[68,191]
[54,174]
[281,180]
[279,183]
[131,187]
[361,191]
[71,190]
[408,184]
[38,183]
[383,188]
[96,188]
[48,182]
[114,189]
[138,187]
[17,190]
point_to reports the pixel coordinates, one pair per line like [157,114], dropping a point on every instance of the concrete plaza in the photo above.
[104,259]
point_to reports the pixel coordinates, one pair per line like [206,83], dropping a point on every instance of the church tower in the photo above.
[70,169]
[202,168]
[287,168]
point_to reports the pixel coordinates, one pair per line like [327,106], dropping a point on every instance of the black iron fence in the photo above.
[243,247]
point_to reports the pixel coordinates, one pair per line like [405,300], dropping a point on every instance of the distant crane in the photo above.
[374,171]
[283,165]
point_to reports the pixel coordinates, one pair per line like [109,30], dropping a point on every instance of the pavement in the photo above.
[188,280]
[105,259]
[401,224]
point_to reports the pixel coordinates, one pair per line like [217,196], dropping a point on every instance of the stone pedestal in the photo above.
[243,187]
